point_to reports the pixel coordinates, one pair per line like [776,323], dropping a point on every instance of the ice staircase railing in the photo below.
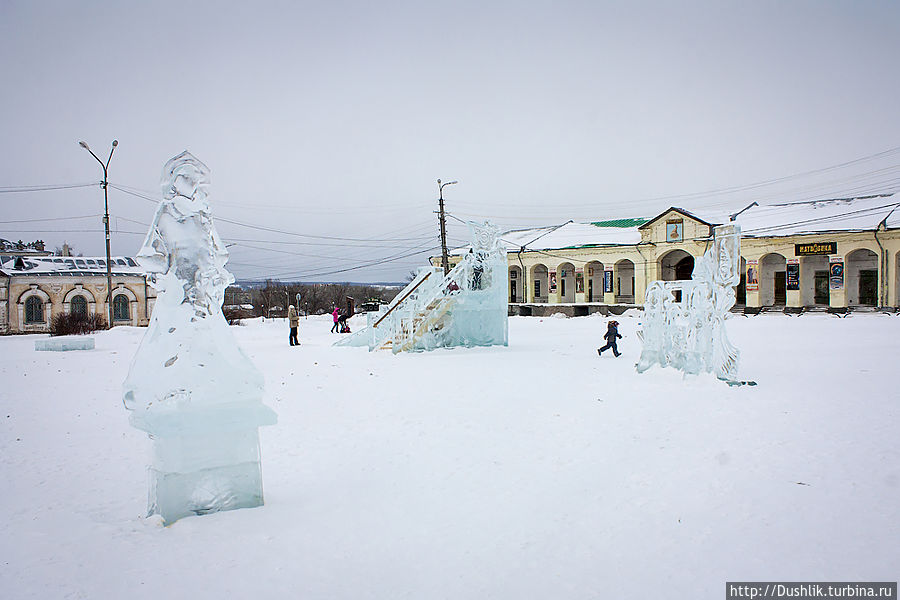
[420,308]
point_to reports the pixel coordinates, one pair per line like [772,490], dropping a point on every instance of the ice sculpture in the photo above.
[684,321]
[190,387]
[467,307]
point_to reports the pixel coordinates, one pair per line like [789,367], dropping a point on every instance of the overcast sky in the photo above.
[335,119]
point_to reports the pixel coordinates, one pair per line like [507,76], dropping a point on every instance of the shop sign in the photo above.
[836,273]
[752,283]
[608,281]
[814,249]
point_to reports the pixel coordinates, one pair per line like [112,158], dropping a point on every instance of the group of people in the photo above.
[340,323]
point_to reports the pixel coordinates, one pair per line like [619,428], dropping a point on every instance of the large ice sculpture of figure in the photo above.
[190,387]
[467,307]
[684,321]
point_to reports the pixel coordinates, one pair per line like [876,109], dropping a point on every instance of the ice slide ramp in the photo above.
[467,307]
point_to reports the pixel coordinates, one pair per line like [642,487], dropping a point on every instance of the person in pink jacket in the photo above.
[335,314]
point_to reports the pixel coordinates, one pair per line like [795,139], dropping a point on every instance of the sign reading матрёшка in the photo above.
[815,248]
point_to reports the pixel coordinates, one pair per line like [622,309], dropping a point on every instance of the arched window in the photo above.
[120,308]
[34,310]
[79,306]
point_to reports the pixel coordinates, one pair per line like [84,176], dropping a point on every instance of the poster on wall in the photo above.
[579,282]
[608,281]
[836,273]
[792,275]
[552,281]
[752,275]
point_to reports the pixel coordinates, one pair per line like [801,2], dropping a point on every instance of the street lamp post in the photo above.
[445,260]
[105,184]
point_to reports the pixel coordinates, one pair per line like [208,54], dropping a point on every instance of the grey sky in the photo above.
[336,118]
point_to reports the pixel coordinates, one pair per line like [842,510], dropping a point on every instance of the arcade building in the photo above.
[836,255]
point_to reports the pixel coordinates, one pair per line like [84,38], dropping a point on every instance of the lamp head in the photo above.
[115,143]
[84,145]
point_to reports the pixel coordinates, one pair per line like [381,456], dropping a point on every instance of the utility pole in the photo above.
[105,184]
[445,260]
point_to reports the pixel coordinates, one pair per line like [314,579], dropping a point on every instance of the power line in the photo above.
[271,229]
[44,188]
[52,219]
[363,266]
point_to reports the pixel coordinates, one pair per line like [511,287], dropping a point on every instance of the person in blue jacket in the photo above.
[612,332]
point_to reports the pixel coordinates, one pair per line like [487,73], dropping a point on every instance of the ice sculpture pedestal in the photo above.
[204,461]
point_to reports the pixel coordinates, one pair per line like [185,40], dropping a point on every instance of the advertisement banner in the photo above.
[579,282]
[552,281]
[752,275]
[608,282]
[792,276]
[836,273]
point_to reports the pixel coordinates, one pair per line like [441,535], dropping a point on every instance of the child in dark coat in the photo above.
[612,332]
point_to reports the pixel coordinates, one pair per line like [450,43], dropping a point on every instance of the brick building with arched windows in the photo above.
[34,289]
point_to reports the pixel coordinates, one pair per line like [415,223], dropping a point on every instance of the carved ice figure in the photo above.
[190,387]
[690,334]
[467,307]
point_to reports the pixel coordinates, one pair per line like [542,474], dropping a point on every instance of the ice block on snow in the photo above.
[65,343]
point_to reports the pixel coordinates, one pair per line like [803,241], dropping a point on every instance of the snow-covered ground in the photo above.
[535,471]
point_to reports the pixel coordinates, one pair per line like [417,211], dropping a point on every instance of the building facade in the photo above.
[835,254]
[34,289]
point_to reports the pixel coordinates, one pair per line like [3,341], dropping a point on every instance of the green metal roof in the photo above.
[635,222]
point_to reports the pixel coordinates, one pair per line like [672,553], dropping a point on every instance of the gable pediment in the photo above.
[674,225]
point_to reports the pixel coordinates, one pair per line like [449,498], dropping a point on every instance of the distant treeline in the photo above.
[273,297]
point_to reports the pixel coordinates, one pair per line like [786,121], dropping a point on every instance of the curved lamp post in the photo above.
[105,184]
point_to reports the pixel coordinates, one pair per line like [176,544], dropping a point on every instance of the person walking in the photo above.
[294,320]
[335,314]
[612,332]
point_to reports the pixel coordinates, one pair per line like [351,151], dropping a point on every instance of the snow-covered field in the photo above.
[535,471]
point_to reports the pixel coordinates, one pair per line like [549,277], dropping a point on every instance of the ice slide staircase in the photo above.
[422,309]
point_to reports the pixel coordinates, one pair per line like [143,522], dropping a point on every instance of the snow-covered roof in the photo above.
[618,232]
[770,220]
[68,265]
[819,216]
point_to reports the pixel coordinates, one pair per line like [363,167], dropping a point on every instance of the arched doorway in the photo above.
[539,278]
[593,273]
[623,279]
[566,276]
[676,265]
[814,280]
[772,290]
[861,278]
[516,285]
